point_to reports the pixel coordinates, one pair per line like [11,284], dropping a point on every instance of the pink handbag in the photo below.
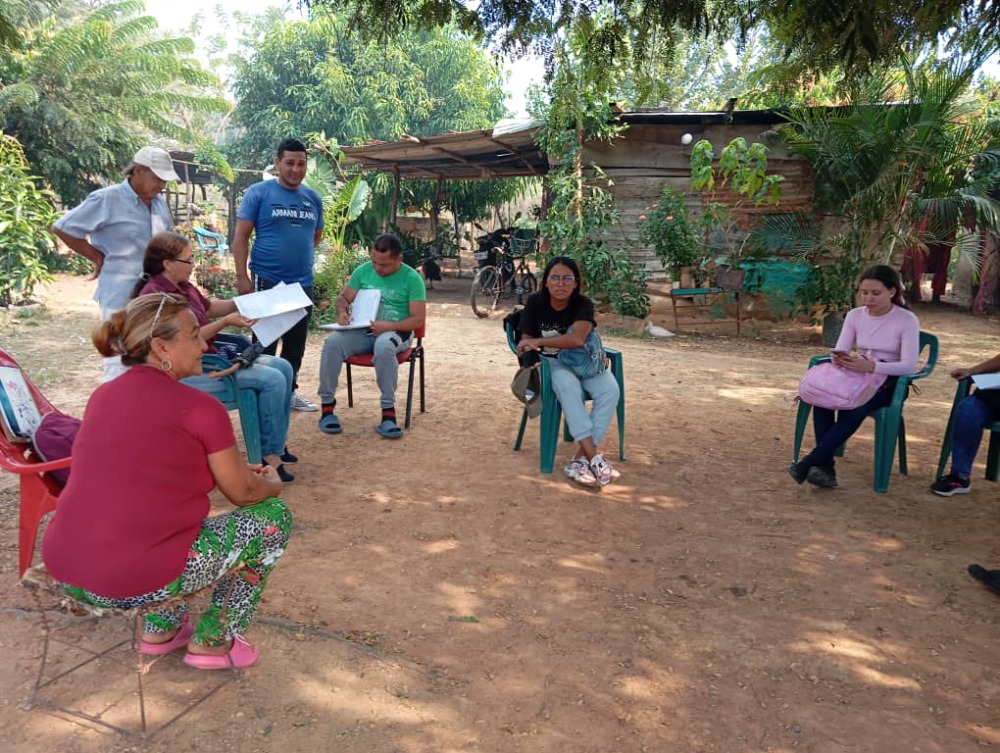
[827,385]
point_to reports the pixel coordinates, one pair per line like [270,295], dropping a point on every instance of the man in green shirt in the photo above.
[402,310]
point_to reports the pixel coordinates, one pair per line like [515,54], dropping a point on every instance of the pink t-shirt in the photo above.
[139,488]
[891,340]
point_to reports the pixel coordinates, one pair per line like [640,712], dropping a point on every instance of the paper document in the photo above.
[986,381]
[18,412]
[276,310]
[364,310]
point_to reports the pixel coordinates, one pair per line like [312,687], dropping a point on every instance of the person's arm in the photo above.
[220,307]
[235,319]
[343,304]
[241,255]
[417,314]
[82,246]
[988,366]
[241,483]
[317,236]
[573,338]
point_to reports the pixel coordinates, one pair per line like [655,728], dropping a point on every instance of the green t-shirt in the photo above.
[398,289]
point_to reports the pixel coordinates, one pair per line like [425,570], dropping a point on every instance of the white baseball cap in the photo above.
[156,159]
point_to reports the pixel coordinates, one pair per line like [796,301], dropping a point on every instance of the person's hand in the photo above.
[236,319]
[529,343]
[380,325]
[961,373]
[243,285]
[270,473]
[98,265]
[344,317]
[853,362]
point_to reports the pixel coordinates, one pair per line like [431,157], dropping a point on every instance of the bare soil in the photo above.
[442,595]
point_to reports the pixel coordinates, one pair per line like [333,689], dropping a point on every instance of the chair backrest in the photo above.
[930,342]
[18,453]
[209,240]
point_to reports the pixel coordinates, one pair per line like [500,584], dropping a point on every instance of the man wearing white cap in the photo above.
[112,227]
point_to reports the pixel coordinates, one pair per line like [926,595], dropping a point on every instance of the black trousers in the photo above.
[293,342]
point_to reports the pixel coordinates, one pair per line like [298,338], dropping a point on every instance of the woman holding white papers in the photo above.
[973,414]
[167,268]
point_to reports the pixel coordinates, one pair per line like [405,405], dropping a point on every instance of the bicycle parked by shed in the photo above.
[503,269]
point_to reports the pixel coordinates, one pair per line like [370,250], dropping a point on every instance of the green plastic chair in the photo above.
[551,415]
[992,455]
[890,428]
[242,400]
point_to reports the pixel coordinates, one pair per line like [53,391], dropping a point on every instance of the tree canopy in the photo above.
[88,87]
[819,34]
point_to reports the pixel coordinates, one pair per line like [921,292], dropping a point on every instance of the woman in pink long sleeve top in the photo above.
[880,336]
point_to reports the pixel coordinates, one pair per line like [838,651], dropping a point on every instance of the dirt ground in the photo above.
[441,595]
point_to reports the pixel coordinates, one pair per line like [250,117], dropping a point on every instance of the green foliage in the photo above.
[88,82]
[743,171]
[581,209]
[857,35]
[25,216]
[668,229]
[891,177]
[216,281]
[344,199]
[333,268]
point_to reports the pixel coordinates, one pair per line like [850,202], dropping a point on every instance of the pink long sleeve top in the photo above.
[892,340]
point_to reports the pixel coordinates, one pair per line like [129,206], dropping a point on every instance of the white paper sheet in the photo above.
[276,310]
[986,381]
[364,310]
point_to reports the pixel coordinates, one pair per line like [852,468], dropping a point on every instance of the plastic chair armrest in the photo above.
[819,359]
[25,468]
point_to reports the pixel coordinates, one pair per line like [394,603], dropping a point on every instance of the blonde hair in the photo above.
[129,333]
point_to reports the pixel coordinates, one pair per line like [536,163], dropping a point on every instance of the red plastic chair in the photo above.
[411,355]
[39,490]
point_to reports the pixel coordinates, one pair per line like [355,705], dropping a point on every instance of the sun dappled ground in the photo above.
[440,594]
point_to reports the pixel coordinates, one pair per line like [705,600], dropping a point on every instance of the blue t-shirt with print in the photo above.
[285,222]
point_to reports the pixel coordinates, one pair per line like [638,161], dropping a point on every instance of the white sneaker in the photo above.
[602,471]
[301,404]
[580,472]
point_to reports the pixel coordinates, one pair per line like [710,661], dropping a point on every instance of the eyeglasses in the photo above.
[556,279]
[183,261]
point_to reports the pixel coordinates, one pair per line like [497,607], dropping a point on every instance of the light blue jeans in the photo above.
[971,416]
[351,342]
[570,391]
[271,379]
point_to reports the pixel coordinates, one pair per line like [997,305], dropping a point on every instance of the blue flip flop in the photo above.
[330,424]
[389,429]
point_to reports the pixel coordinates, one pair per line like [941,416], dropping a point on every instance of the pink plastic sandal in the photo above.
[178,641]
[241,655]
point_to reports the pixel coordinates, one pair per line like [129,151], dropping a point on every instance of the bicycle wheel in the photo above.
[485,291]
[527,284]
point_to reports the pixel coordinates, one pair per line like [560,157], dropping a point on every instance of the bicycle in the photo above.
[494,283]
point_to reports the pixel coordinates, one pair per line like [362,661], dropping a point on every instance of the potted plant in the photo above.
[669,230]
[831,290]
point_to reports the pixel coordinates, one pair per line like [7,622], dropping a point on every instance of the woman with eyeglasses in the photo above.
[167,268]
[559,316]
[131,529]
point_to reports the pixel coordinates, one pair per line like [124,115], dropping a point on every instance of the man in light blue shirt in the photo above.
[112,227]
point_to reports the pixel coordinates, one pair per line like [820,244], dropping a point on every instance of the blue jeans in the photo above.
[352,342]
[833,428]
[270,378]
[570,391]
[971,416]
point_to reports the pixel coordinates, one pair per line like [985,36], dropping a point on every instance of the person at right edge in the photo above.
[973,414]
[881,335]
[560,316]
[286,218]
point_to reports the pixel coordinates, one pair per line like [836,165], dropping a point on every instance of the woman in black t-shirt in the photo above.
[559,316]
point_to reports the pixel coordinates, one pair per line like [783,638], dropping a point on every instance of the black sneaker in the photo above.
[950,484]
[823,476]
[799,470]
[989,578]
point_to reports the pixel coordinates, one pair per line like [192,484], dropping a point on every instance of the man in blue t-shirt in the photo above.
[286,218]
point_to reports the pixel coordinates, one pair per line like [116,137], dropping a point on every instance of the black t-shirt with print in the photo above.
[539,319]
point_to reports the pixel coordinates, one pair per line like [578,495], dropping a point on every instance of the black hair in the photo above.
[290,145]
[890,278]
[574,267]
[388,242]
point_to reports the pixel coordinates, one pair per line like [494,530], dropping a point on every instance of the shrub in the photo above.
[26,212]
[333,268]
